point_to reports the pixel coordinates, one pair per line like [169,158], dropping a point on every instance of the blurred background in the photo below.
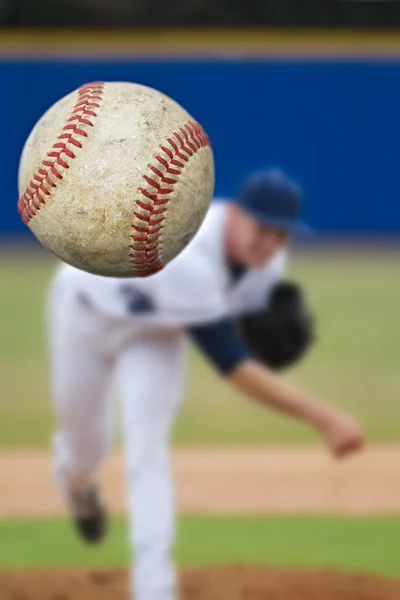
[310,86]
[273,83]
[350,14]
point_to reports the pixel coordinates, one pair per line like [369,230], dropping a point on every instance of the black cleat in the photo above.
[89,514]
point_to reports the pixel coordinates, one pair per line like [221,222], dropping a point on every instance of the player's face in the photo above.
[253,244]
[263,243]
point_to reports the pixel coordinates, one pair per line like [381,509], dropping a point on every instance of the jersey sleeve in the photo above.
[221,343]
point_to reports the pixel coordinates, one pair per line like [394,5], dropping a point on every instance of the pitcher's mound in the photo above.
[212,583]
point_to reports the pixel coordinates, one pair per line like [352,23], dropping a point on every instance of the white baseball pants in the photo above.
[87,350]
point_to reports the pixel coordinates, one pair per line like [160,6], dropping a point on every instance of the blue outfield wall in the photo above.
[334,125]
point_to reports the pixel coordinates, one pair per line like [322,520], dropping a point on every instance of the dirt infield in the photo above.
[217,583]
[236,480]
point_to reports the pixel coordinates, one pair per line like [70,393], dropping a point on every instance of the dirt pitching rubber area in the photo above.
[216,583]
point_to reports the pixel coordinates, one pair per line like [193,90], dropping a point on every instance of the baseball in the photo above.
[116,179]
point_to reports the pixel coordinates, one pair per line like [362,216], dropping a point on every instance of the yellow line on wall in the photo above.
[261,42]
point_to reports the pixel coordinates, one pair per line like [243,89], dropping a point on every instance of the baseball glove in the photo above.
[281,333]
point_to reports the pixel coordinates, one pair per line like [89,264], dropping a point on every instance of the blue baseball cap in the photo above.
[273,198]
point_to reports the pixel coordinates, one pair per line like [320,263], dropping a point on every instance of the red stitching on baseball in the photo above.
[145,249]
[31,199]
[144,205]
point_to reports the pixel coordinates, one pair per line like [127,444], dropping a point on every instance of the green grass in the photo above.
[355,364]
[351,544]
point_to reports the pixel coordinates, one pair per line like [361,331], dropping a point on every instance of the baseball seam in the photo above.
[146,246]
[47,176]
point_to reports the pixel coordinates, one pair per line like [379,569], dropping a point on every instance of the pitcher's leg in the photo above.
[152,375]
[79,377]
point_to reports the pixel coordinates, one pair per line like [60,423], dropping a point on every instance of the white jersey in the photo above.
[195,288]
